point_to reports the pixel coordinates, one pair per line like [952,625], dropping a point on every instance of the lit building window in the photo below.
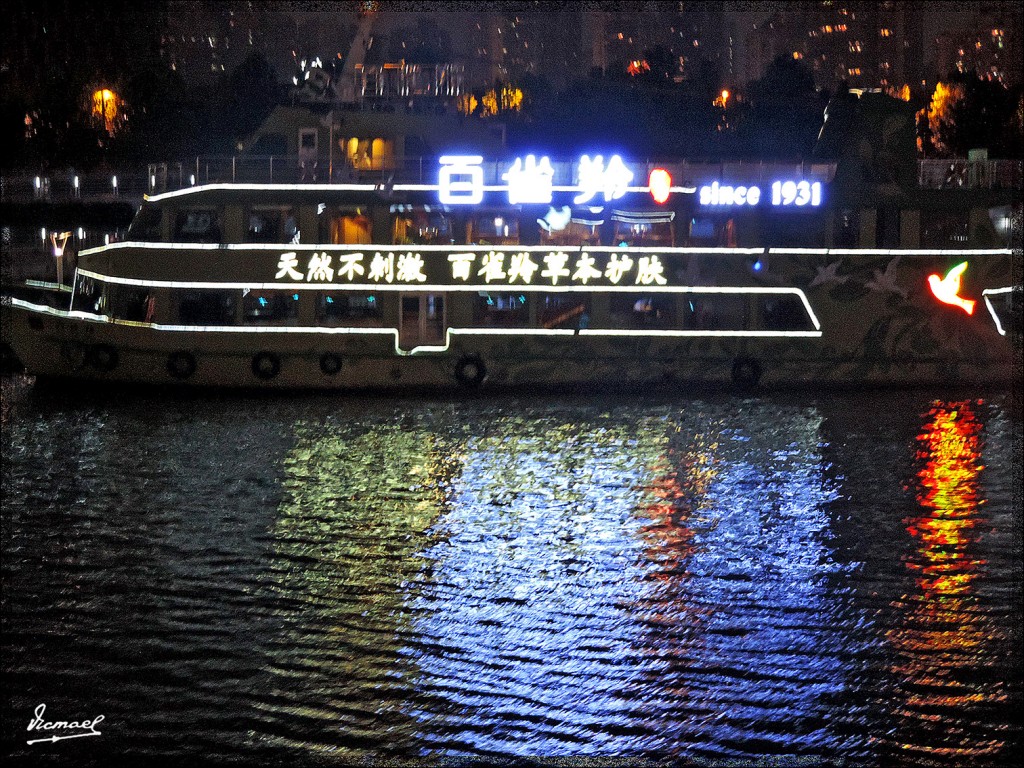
[885,32]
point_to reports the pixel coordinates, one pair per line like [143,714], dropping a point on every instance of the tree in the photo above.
[970,113]
[785,113]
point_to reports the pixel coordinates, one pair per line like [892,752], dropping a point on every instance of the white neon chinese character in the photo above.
[287,266]
[410,267]
[319,267]
[351,265]
[556,261]
[382,267]
[493,266]
[617,267]
[522,267]
[585,269]
[594,178]
[529,182]
[649,270]
[461,265]
[467,188]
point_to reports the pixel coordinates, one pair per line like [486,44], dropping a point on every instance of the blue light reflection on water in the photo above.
[714,641]
[317,579]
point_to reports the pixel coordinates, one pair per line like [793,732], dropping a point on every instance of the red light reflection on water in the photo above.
[943,633]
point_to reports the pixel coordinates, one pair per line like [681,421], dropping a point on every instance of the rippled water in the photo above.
[794,580]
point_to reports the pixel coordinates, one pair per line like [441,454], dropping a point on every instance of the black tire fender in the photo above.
[330,364]
[470,371]
[181,364]
[266,365]
[102,357]
[746,372]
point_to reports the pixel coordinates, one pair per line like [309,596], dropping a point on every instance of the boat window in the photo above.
[207,308]
[709,312]
[846,232]
[785,313]
[130,302]
[422,227]
[712,233]
[272,225]
[197,226]
[500,310]
[341,306]
[631,310]
[345,228]
[944,230]
[145,227]
[264,306]
[562,310]
[573,233]
[88,295]
[653,234]
[494,229]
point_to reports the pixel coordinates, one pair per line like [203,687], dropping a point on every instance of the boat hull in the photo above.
[54,343]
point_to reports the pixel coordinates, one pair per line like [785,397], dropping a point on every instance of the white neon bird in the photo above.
[556,220]
[947,289]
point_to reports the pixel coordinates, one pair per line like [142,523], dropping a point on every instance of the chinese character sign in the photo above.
[461,180]
[480,267]
[594,177]
[529,182]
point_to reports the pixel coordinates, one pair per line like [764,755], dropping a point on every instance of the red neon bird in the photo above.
[947,289]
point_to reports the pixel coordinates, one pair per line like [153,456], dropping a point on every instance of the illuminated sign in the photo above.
[555,267]
[660,184]
[461,180]
[594,177]
[947,289]
[725,195]
[797,193]
[784,193]
[529,182]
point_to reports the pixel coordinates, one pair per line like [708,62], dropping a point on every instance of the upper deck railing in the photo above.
[108,186]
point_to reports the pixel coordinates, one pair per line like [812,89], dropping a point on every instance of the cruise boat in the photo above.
[523,273]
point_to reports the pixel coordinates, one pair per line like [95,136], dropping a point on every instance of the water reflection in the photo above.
[358,499]
[946,631]
[648,588]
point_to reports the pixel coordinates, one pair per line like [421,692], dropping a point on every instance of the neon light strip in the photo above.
[367,247]
[264,187]
[761,334]
[891,252]
[370,188]
[449,332]
[48,286]
[992,310]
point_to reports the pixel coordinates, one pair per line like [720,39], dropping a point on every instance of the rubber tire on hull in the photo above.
[330,364]
[103,357]
[266,365]
[470,371]
[746,373]
[181,364]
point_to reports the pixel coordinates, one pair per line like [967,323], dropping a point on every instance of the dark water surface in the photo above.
[717,580]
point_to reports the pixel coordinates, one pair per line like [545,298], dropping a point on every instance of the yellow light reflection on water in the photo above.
[944,634]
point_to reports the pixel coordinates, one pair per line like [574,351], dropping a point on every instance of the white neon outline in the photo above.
[991,309]
[365,247]
[461,288]
[326,188]
[449,332]
[892,251]
[674,333]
